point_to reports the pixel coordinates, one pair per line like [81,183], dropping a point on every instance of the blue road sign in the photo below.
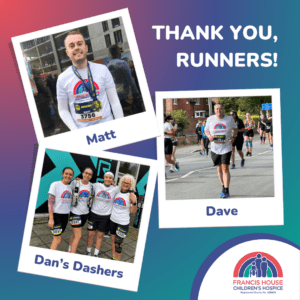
[266,106]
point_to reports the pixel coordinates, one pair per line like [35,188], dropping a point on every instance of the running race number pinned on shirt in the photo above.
[219,139]
[88,111]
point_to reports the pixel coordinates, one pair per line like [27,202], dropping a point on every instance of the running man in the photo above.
[221,130]
[249,133]
[169,133]
[85,91]
[262,129]
[59,203]
[82,192]
[239,141]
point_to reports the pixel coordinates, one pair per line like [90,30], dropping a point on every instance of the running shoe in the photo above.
[264,142]
[233,166]
[261,142]
[177,167]
[242,162]
[222,195]
[114,258]
[225,195]
[271,147]
[88,253]
[250,154]
[107,235]
[247,153]
[203,152]
[200,152]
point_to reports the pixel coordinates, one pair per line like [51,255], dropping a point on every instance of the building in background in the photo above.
[48,53]
[196,108]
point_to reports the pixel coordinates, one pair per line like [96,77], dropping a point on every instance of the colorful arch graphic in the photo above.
[104,195]
[243,267]
[79,88]
[120,202]
[220,126]
[66,195]
[84,194]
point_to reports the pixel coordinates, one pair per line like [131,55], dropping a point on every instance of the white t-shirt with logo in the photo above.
[104,197]
[221,130]
[167,127]
[71,88]
[84,192]
[63,197]
[121,209]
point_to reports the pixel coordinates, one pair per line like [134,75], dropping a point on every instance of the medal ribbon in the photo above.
[90,88]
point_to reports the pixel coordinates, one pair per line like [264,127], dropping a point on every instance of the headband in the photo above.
[109,173]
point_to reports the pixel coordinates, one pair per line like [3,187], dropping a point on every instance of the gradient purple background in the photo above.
[164,273]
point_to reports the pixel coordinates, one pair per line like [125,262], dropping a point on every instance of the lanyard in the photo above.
[91,87]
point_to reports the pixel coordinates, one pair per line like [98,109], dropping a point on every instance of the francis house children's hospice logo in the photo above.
[258,273]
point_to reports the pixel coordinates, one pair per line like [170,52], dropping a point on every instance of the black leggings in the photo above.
[205,143]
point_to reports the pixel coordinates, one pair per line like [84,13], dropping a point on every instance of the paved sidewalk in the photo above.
[41,237]
[187,149]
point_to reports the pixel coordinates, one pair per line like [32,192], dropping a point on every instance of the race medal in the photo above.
[88,111]
[219,139]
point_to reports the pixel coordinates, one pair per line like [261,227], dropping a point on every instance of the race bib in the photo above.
[90,225]
[219,139]
[121,233]
[88,111]
[75,220]
[57,230]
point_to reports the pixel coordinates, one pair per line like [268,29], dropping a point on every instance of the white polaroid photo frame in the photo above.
[125,129]
[192,213]
[131,271]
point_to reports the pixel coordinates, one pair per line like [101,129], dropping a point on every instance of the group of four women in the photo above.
[104,206]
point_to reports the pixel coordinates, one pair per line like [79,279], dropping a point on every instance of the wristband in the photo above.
[133,203]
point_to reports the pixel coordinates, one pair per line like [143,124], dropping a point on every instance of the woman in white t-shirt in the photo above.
[99,218]
[59,205]
[169,134]
[124,204]
[82,192]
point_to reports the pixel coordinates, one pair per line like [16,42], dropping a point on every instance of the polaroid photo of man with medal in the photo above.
[86,75]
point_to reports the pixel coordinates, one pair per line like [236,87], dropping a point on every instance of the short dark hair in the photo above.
[67,168]
[114,50]
[74,32]
[167,118]
[88,168]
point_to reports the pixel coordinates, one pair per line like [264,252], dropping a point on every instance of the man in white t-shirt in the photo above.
[86,92]
[221,130]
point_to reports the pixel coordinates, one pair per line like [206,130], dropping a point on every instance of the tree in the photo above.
[246,104]
[181,118]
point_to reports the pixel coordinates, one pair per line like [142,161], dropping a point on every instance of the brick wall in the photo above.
[190,108]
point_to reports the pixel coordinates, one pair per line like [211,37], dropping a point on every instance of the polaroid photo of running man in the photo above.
[92,209]
[85,84]
[219,163]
